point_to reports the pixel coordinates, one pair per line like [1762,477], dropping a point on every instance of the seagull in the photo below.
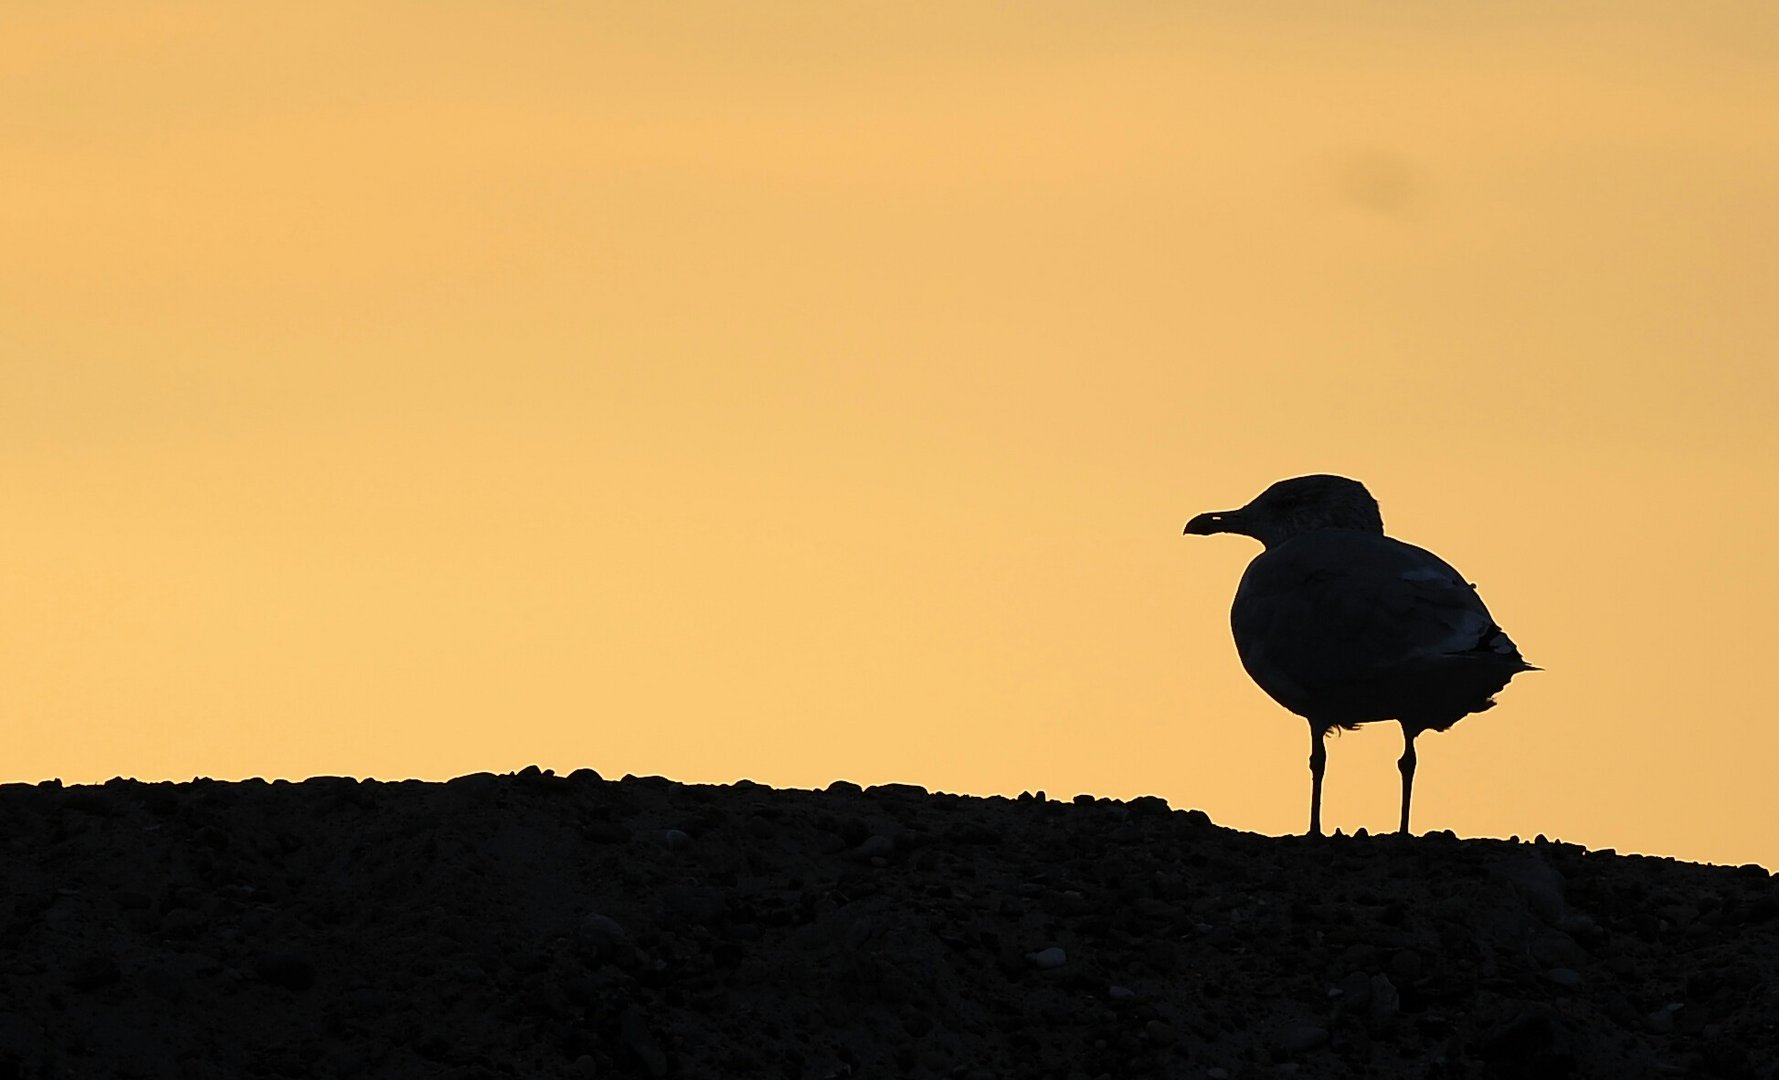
[1344,626]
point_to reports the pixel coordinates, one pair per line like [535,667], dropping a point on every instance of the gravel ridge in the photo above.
[535,925]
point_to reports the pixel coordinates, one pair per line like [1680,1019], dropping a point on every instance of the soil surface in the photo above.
[533,925]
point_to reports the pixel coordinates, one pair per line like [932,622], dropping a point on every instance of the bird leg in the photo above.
[1318,760]
[1406,765]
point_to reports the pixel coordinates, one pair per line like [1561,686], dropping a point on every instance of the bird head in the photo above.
[1294,506]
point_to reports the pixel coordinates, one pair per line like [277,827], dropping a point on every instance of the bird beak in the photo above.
[1220,521]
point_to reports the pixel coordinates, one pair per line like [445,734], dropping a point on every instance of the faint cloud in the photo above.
[1381,182]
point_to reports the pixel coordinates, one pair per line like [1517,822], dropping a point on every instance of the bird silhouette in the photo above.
[1344,626]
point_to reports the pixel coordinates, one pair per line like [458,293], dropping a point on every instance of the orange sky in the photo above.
[801,391]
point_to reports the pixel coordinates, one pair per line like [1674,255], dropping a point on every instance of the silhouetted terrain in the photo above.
[541,926]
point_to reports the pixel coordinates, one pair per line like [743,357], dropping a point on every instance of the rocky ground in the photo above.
[532,925]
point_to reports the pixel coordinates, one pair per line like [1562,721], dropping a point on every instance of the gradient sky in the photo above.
[805,391]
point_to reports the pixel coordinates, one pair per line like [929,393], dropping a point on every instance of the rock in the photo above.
[93,973]
[293,971]
[906,791]
[1360,955]
[182,923]
[1555,948]
[974,832]
[1538,884]
[367,1001]
[600,929]
[1048,958]
[1567,978]
[695,905]
[606,832]
[1385,1001]
[162,800]
[1405,964]
[1296,1039]
[163,980]
[1148,806]
[1535,1042]
[91,801]
[875,846]
[1354,990]
[600,936]
[640,1042]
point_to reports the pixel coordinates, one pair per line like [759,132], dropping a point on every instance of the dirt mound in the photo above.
[540,926]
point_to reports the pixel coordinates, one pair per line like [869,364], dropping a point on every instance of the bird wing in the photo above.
[1336,607]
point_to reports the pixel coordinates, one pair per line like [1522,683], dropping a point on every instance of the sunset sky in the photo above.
[814,391]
